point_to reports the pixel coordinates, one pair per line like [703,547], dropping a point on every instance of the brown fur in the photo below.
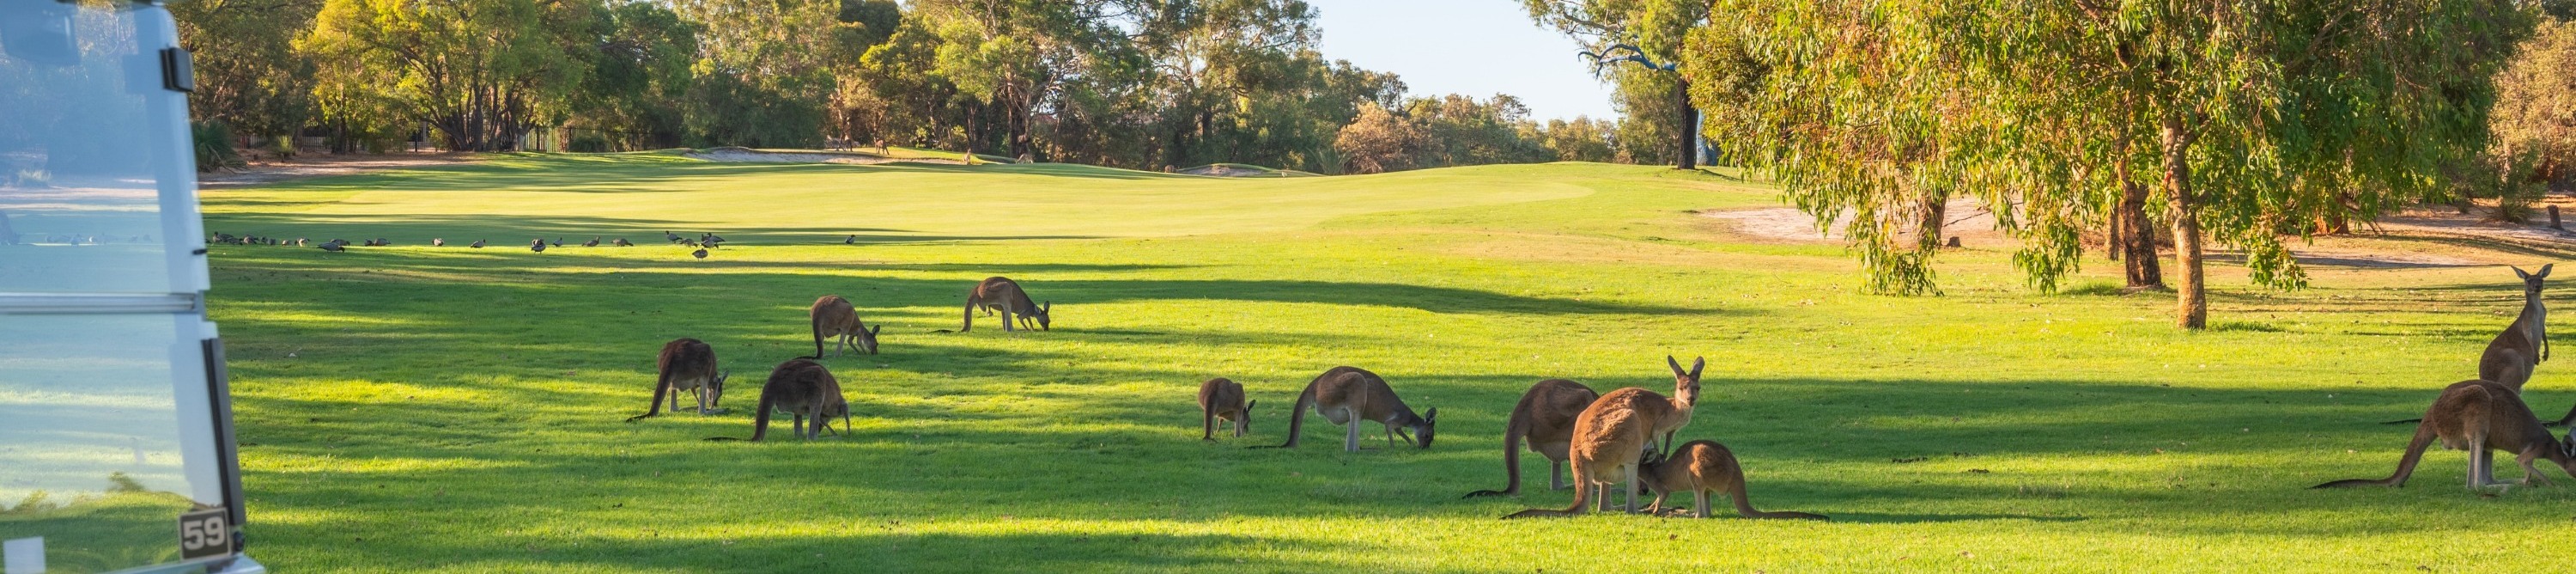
[1004,295]
[1544,418]
[805,390]
[1349,395]
[834,317]
[1221,399]
[1613,434]
[1700,468]
[686,365]
[2479,417]
[2510,358]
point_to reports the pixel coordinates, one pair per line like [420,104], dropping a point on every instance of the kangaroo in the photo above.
[1348,395]
[1221,399]
[2509,358]
[2480,417]
[1004,295]
[1614,435]
[1545,418]
[835,317]
[805,390]
[687,365]
[1701,467]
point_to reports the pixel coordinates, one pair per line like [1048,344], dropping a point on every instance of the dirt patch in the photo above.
[324,165]
[747,155]
[2411,239]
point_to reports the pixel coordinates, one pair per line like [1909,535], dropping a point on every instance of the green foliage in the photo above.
[249,74]
[480,71]
[213,143]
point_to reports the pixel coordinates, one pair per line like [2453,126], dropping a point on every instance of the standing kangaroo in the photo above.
[1701,467]
[2480,417]
[1348,395]
[1004,295]
[2510,358]
[834,317]
[687,365]
[1221,399]
[1545,418]
[805,390]
[1612,437]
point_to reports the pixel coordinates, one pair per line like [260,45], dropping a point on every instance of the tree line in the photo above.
[1145,84]
[2122,125]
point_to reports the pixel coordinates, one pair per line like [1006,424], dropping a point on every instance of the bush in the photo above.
[589,144]
[214,145]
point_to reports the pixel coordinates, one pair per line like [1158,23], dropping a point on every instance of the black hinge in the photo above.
[177,72]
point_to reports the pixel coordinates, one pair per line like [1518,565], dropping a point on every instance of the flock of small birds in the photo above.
[701,243]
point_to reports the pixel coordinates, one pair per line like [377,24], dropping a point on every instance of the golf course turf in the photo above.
[460,410]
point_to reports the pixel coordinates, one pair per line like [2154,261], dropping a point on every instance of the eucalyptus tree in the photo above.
[2245,118]
[1654,31]
[480,71]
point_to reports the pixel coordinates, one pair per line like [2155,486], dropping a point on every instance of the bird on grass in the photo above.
[674,237]
[621,242]
[701,254]
[853,239]
[437,242]
[478,244]
[333,247]
[593,242]
[537,246]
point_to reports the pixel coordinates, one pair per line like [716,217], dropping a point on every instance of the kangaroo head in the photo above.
[1686,383]
[1243,420]
[868,338]
[2531,281]
[1422,429]
[1043,319]
[715,389]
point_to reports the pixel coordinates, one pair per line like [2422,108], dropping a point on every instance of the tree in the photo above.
[1379,141]
[248,76]
[1582,139]
[1654,30]
[481,71]
[2535,111]
[2250,116]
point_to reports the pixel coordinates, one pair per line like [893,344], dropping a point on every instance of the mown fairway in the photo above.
[459,410]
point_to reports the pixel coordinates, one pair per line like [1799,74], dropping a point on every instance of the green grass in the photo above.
[458,410]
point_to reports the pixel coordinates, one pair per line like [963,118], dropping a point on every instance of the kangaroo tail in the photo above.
[2403,422]
[760,422]
[1744,506]
[818,336]
[1515,429]
[661,385]
[2424,435]
[1583,493]
[1297,416]
[970,315]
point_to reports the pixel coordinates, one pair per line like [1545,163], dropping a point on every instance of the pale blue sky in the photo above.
[1474,47]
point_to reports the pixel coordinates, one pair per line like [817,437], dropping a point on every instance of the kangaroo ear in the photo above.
[1247,405]
[2517,272]
[1696,364]
[2544,271]
[880,328]
[1675,364]
[1431,414]
[1047,306]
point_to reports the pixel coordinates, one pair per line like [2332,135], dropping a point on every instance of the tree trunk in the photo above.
[1689,128]
[2133,239]
[2192,304]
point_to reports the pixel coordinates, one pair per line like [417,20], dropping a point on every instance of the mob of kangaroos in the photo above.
[1612,437]
[2513,354]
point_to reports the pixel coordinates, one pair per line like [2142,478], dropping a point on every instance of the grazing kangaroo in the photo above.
[1348,395]
[1221,399]
[834,317]
[1004,295]
[2480,417]
[1612,436]
[1545,418]
[1701,467]
[805,390]
[687,365]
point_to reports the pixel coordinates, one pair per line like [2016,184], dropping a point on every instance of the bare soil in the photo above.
[323,165]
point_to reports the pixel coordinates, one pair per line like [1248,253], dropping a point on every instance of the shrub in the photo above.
[214,146]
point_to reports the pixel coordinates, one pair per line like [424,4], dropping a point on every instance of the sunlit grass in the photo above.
[459,410]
